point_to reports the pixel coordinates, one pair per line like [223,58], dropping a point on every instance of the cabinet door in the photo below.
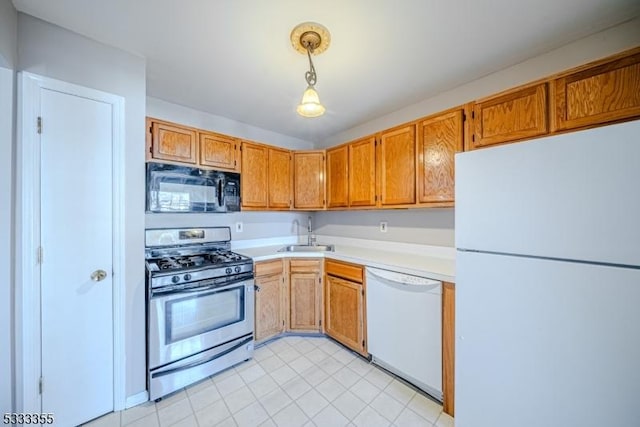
[173,143]
[269,306]
[439,138]
[398,166]
[362,172]
[516,115]
[254,175]
[218,151]
[308,178]
[305,307]
[337,177]
[448,346]
[279,179]
[344,312]
[599,94]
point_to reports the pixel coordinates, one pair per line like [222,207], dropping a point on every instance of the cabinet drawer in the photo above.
[304,266]
[344,270]
[267,268]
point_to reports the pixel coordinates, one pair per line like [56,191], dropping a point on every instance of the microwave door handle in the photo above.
[221,192]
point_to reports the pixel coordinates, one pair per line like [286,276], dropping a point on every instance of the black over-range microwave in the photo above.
[172,188]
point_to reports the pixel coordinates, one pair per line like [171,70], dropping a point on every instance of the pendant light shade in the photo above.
[310,105]
[310,38]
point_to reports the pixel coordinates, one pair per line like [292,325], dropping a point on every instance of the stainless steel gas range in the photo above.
[200,306]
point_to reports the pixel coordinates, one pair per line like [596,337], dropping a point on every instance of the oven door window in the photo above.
[200,313]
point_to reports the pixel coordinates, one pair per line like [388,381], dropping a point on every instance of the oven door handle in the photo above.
[202,362]
[158,293]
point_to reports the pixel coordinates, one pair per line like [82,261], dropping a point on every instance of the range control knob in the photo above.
[237,269]
[175,279]
[228,270]
[187,277]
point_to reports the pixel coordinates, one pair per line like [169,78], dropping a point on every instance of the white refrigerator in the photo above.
[548,281]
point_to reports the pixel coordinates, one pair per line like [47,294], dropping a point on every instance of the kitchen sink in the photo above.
[307,248]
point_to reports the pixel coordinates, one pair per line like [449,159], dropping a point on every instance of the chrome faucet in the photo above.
[311,240]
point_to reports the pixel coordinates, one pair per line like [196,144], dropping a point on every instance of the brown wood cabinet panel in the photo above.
[439,138]
[519,114]
[308,178]
[267,268]
[448,347]
[362,172]
[304,297]
[254,186]
[598,94]
[173,143]
[305,265]
[279,179]
[269,319]
[338,177]
[398,166]
[344,270]
[218,151]
[344,312]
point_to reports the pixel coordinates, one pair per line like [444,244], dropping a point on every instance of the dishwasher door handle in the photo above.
[404,281]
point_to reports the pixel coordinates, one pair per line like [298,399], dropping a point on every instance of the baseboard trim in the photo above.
[136,399]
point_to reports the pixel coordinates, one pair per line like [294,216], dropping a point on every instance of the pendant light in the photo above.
[310,38]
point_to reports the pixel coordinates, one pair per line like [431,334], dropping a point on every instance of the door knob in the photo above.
[98,275]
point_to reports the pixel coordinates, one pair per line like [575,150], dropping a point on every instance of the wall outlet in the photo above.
[239,227]
[383,226]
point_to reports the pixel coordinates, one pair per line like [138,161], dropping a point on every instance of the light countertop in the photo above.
[418,260]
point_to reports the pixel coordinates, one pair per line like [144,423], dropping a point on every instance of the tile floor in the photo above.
[292,381]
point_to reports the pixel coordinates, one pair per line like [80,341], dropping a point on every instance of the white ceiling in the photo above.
[235,59]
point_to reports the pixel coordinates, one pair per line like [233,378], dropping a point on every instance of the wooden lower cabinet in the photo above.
[270,299]
[305,295]
[448,346]
[344,304]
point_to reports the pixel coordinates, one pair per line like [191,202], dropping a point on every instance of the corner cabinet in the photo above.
[439,139]
[344,293]
[305,295]
[308,180]
[270,299]
[397,166]
[338,177]
[279,179]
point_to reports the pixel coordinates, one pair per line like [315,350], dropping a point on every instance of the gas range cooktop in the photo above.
[216,258]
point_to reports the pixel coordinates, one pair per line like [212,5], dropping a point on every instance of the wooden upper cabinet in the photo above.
[279,178]
[338,177]
[439,138]
[308,180]
[397,166]
[255,160]
[518,114]
[218,151]
[170,142]
[598,94]
[362,172]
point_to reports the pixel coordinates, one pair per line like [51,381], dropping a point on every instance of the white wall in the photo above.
[51,51]
[164,110]
[8,59]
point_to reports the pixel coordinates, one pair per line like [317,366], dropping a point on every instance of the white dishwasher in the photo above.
[404,327]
